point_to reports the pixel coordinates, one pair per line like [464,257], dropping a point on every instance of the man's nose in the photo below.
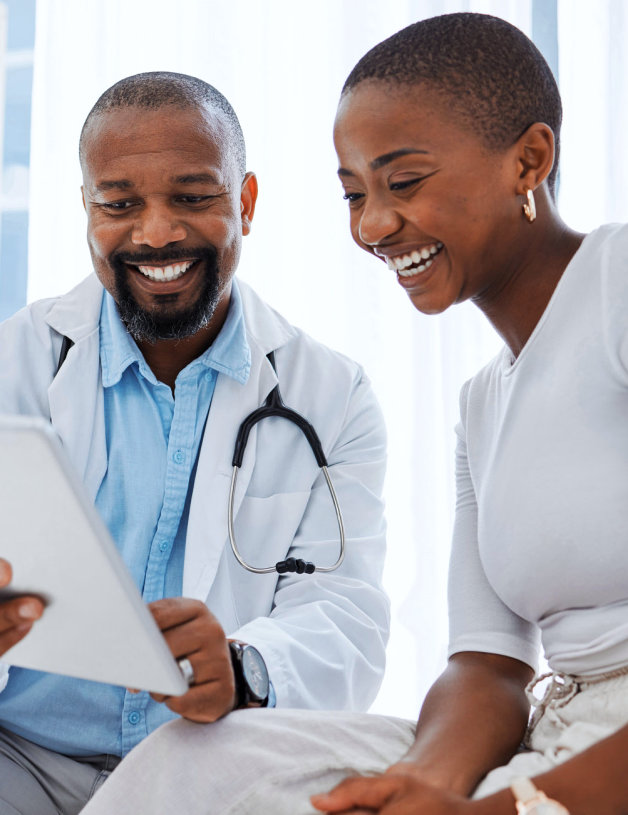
[378,221]
[156,225]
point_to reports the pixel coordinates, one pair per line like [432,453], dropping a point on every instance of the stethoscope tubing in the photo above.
[271,569]
[275,407]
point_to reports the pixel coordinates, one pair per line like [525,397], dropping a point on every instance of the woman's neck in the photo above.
[515,309]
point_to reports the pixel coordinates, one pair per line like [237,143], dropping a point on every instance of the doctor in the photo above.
[167,355]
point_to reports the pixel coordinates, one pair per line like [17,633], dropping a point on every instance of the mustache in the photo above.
[206,253]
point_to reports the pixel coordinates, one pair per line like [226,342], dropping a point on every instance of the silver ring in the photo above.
[186,669]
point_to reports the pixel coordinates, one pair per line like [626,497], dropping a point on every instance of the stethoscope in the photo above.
[273,406]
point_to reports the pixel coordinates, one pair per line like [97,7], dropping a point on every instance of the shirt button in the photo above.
[179,457]
[134,717]
[163,546]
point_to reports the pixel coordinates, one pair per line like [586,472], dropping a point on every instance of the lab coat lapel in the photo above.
[75,396]
[77,414]
[207,528]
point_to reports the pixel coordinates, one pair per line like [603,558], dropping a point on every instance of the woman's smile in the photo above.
[411,261]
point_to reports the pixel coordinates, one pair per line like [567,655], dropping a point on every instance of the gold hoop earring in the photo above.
[529,208]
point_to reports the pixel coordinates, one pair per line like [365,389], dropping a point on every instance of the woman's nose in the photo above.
[378,221]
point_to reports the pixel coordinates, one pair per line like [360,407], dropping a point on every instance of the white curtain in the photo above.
[282,64]
[593,70]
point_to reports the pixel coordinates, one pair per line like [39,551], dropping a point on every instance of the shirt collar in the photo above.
[229,353]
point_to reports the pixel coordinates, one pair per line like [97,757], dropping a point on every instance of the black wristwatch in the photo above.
[251,675]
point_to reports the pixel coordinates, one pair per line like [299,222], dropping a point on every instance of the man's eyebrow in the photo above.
[122,184]
[188,178]
[195,178]
[382,161]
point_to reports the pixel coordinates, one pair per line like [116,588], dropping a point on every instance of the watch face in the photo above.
[255,672]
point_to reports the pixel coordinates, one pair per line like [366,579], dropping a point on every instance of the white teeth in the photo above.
[402,263]
[166,272]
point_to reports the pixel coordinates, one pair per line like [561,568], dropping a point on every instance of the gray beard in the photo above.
[147,326]
[150,325]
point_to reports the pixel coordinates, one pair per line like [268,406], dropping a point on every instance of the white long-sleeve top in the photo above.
[541,536]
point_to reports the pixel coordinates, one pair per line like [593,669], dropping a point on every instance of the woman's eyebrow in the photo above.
[381,161]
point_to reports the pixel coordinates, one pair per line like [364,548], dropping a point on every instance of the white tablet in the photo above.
[95,625]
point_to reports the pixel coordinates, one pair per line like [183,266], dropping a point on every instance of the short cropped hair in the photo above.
[157,89]
[495,80]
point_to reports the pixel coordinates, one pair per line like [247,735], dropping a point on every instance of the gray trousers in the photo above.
[36,781]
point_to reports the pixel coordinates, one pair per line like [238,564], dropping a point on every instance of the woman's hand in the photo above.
[472,720]
[400,791]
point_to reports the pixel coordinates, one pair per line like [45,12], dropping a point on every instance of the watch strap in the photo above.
[236,663]
[523,789]
[245,696]
[529,799]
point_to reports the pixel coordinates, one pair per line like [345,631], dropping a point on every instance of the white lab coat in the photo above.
[323,636]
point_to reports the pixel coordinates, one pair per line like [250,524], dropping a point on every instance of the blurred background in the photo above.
[282,64]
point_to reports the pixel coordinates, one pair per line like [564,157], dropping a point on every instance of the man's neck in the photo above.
[167,358]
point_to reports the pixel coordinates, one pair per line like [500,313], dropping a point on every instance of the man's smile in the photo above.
[170,272]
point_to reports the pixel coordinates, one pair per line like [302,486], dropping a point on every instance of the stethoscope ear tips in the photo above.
[297,565]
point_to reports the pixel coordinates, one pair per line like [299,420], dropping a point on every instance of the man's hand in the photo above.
[399,791]
[18,614]
[193,632]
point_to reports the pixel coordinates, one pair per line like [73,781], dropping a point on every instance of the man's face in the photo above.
[166,210]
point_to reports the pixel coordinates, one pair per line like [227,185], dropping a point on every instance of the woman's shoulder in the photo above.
[606,248]
[610,243]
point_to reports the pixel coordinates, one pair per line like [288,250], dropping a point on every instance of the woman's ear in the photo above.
[535,156]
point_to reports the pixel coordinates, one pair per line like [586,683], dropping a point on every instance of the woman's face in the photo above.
[425,195]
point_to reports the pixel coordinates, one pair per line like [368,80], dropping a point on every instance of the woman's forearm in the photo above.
[594,782]
[473,720]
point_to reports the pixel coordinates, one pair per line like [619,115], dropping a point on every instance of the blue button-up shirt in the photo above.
[153,440]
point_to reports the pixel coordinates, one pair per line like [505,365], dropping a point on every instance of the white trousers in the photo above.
[253,762]
[268,762]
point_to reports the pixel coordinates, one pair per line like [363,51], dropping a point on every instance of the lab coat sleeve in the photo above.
[324,640]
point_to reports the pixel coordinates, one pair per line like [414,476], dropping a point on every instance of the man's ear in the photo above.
[83,197]
[535,156]
[248,198]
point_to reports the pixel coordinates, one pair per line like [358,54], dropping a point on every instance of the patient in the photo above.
[447,136]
